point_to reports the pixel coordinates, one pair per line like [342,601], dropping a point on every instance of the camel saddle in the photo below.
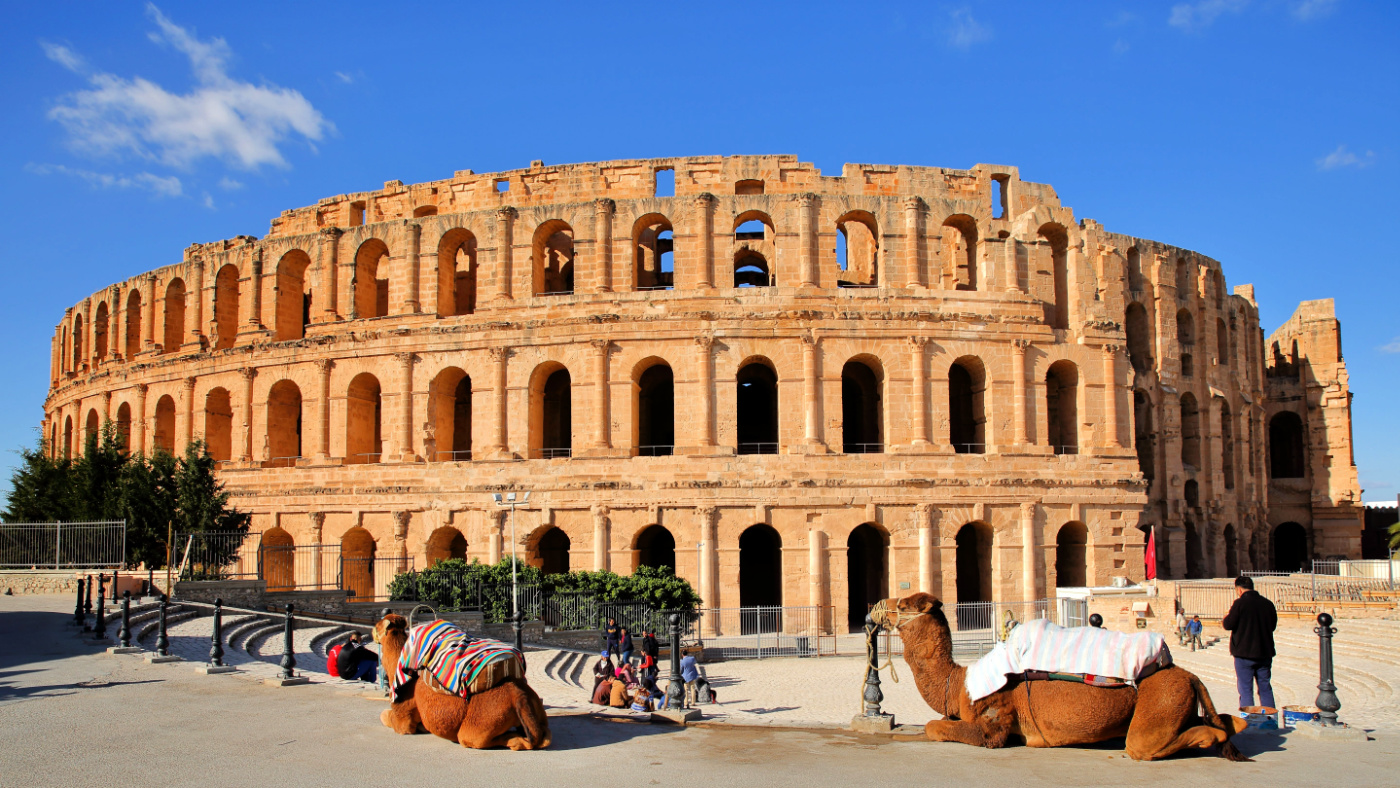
[1040,650]
[453,662]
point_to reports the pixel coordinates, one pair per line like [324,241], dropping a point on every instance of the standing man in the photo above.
[1251,622]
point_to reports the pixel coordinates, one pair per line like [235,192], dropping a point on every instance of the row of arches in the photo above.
[1286,550]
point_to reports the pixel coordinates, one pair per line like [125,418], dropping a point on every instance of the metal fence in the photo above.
[765,632]
[368,578]
[94,545]
[217,555]
[300,567]
[1329,583]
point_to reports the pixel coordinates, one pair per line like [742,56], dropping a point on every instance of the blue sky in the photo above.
[1259,132]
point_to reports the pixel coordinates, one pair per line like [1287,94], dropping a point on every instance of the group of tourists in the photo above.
[624,678]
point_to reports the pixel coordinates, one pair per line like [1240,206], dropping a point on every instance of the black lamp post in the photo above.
[675,693]
[216,639]
[100,627]
[289,660]
[1327,701]
[124,635]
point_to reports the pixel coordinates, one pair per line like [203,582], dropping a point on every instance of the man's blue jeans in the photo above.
[1247,672]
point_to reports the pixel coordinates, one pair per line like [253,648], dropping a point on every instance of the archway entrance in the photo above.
[1290,548]
[974,576]
[277,557]
[357,563]
[445,544]
[553,551]
[760,578]
[1071,556]
[1232,560]
[757,409]
[1195,558]
[656,547]
[866,573]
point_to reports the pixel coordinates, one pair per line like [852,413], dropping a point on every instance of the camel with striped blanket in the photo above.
[1158,717]
[509,714]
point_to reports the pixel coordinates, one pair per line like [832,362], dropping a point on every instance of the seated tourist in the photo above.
[355,662]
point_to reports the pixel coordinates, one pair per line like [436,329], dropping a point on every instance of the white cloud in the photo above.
[220,118]
[1200,15]
[1307,10]
[63,56]
[344,77]
[229,184]
[164,186]
[1393,346]
[964,32]
[208,201]
[1121,18]
[1120,47]
[1341,157]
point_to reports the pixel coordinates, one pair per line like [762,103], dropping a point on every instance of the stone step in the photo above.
[150,628]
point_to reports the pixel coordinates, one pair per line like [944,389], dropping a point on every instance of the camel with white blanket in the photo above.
[1159,716]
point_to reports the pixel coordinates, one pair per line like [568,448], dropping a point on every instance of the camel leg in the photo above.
[402,718]
[1165,720]
[955,730]
[475,739]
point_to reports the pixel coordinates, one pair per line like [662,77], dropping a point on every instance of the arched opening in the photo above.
[363,420]
[425,210]
[653,259]
[1139,338]
[452,416]
[226,306]
[960,250]
[99,333]
[867,581]
[1185,276]
[91,429]
[283,424]
[1195,557]
[756,408]
[1062,407]
[133,323]
[656,412]
[857,250]
[124,425]
[457,273]
[165,424]
[1191,492]
[656,547]
[68,436]
[861,409]
[754,239]
[552,552]
[1190,431]
[218,424]
[551,413]
[293,296]
[1227,445]
[445,544]
[1290,548]
[1136,281]
[1057,239]
[748,186]
[967,416]
[1286,446]
[1072,556]
[974,576]
[357,563]
[174,316]
[277,558]
[1185,328]
[1222,343]
[1143,434]
[1232,560]
[1254,550]
[760,570]
[77,343]
[371,284]
[554,258]
[751,269]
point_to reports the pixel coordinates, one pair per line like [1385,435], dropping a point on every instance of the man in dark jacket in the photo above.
[612,635]
[355,662]
[650,647]
[1251,622]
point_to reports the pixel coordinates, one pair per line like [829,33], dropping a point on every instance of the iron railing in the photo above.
[863,448]
[92,545]
[454,456]
[756,448]
[970,448]
[554,454]
[659,450]
[368,578]
[217,555]
[300,567]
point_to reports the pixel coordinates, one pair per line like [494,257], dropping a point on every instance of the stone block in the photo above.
[124,650]
[210,670]
[294,681]
[881,723]
[676,716]
[1320,732]
[158,660]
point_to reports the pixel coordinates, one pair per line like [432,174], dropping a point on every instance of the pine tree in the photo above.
[40,488]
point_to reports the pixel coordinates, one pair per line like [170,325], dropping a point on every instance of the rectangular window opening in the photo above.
[502,185]
[357,214]
[999,184]
[666,183]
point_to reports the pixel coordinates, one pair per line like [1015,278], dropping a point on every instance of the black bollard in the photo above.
[675,693]
[517,626]
[78,608]
[216,640]
[872,695]
[99,631]
[87,605]
[162,639]
[1327,701]
[289,661]
[1096,621]
[124,635]
[150,581]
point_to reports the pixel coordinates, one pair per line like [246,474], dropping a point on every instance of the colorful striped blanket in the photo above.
[1042,646]
[456,661]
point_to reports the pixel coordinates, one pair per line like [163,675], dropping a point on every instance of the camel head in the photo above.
[391,630]
[916,610]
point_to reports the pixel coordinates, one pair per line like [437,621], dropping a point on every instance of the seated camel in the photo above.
[509,714]
[1159,717]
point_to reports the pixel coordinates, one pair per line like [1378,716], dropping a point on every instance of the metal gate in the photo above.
[763,632]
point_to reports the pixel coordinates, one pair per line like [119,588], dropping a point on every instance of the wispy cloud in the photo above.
[1393,346]
[164,186]
[1121,18]
[1120,47]
[1341,157]
[344,77]
[965,32]
[229,184]
[1193,17]
[1307,10]
[221,118]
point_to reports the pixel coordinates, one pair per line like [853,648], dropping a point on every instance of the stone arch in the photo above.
[1143,434]
[133,323]
[973,579]
[653,252]
[165,424]
[967,412]
[124,424]
[357,549]
[444,544]
[451,403]
[655,546]
[92,428]
[284,424]
[68,436]
[760,567]
[1136,281]
[1286,451]
[867,571]
[226,297]
[1291,553]
[960,250]
[1190,431]
[553,255]
[551,411]
[654,408]
[371,283]
[754,245]
[756,407]
[1072,555]
[100,324]
[857,250]
[1062,406]
[277,558]
[457,272]
[293,295]
[1222,343]
[548,548]
[424,211]
[1227,445]
[1056,237]
[218,424]
[174,334]
[862,406]
[1232,558]
[364,420]
[78,342]
[1139,330]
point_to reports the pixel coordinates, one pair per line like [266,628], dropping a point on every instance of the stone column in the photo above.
[602,437]
[705,265]
[1011,270]
[106,406]
[807,239]
[816,573]
[415,237]
[913,242]
[811,429]
[505,218]
[603,241]
[138,427]
[497,449]
[248,374]
[401,519]
[255,322]
[196,323]
[495,540]
[919,383]
[706,517]
[707,390]
[406,453]
[602,539]
[928,552]
[328,250]
[148,329]
[1029,571]
[188,395]
[323,368]
[1110,395]
[1018,379]
[317,523]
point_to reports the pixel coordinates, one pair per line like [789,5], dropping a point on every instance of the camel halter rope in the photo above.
[878,614]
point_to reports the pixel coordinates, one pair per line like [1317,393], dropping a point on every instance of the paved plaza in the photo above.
[76,716]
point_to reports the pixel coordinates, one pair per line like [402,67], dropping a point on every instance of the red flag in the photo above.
[1151,557]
